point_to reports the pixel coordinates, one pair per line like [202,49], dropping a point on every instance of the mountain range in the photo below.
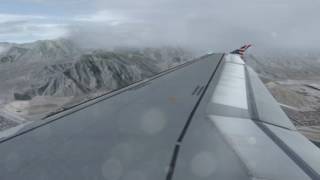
[286,64]
[60,68]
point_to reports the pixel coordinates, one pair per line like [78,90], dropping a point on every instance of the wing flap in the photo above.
[265,107]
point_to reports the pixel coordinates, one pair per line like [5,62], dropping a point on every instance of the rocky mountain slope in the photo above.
[39,51]
[19,61]
[100,70]
[35,72]
[286,65]
[92,72]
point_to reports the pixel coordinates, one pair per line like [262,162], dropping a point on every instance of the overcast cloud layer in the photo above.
[200,24]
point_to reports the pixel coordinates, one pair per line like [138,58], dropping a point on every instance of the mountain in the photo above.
[45,51]
[285,64]
[92,72]
[59,68]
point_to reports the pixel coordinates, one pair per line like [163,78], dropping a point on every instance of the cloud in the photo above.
[105,16]
[19,17]
[201,24]
[25,28]
[27,32]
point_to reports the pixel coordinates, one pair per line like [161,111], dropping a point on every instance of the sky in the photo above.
[199,24]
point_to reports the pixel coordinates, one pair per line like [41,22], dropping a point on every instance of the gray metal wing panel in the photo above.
[204,154]
[128,136]
[300,145]
[267,108]
[262,157]
[224,143]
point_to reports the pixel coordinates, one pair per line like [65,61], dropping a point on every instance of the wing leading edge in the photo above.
[211,118]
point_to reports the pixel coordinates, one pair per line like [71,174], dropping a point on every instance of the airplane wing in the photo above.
[211,118]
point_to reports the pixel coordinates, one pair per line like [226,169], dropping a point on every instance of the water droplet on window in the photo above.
[203,164]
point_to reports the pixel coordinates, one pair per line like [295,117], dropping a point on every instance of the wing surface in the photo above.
[210,118]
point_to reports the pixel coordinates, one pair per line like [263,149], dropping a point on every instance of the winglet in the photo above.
[242,50]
